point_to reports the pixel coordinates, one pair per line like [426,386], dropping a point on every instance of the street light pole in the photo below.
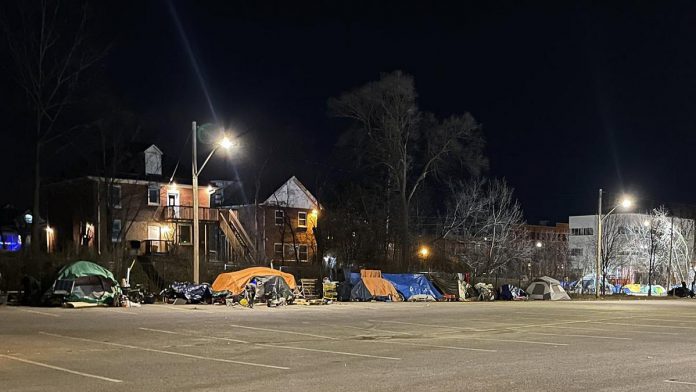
[599,244]
[194,182]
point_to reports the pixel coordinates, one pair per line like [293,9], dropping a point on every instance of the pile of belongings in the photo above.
[190,292]
[485,291]
[413,287]
[509,292]
[586,285]
[83,282]
[451,284]
[373,287]
[546,288]
[642,289]
[269,285]
[681,291]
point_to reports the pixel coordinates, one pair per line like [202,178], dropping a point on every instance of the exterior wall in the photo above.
[283,234]
[582,246]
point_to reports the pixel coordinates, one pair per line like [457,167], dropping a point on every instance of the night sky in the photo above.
[572,96]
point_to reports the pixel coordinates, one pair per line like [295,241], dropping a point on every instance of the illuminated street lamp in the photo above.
[625,203]
[424,252]
[195,172]
[539,244]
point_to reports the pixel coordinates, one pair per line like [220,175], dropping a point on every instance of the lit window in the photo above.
[279,217]
[116,230]
[153,195]
[185,234]
[301,219]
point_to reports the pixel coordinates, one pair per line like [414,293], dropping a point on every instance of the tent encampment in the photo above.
[234,282]
[449,283]
[409,285]
[373,286]
[642,289]
[546,288]
[510,292]
[84,281]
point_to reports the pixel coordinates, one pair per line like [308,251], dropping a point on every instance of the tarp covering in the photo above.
[234,282]
[509,292]
[91,282]
[371,282]
[268,286]
[193,293]
[642,289]
[449,283]
[412,284]
[84,268]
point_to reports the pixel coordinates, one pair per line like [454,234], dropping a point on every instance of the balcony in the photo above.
[185,213]
[156,247]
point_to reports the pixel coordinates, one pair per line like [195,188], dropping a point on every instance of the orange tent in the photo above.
[234,282]
[378,287]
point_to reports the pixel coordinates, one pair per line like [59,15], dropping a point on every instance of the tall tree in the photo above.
[47,42]
[403,144]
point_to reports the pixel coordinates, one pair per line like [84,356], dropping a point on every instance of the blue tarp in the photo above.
[406,284]
[411,284]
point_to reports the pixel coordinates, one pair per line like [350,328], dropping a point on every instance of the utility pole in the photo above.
[598,267]
[669,267]
[194,182]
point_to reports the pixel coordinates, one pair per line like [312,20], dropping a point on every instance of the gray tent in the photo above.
[546,288]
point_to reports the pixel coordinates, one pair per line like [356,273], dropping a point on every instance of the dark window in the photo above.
[185,234]
[153,195]
[278,251]
[302,252]
[116,230]
[301,219]
[115,196]
[576,252]
[279,217]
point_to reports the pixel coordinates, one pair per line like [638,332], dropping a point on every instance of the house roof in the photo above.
[236,193]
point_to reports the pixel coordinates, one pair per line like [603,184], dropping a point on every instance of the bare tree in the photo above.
[486,221]
[47,42]
[405,144]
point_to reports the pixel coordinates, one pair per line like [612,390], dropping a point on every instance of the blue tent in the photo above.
[412,284]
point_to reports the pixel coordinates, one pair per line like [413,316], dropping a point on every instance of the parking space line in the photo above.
[506,340]
[605,330]
[328,351]
[436,346]
[166,352]
[38,312]
[282,331]
[191,310]
[427,325]
[367,329]
[578,336]
[275,345]
[59,368]
[643,325]
[679,382]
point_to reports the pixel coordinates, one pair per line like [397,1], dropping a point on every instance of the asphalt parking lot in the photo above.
[522,346]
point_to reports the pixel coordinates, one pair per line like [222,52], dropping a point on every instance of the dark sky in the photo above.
[572,96]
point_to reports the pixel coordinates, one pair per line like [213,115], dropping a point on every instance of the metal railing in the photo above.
[150,247]
[185,213]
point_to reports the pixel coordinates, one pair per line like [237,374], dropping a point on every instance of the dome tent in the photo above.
[546,288]
[84,281]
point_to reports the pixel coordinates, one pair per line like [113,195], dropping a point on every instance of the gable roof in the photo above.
[292,194]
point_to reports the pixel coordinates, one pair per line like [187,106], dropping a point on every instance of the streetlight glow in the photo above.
[539,244]
[423,251]
[226,143]
[626,202]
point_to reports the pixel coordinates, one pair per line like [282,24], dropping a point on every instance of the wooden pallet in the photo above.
[301,301]
[309,288]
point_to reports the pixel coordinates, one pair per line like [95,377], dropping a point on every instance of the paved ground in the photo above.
[533,346]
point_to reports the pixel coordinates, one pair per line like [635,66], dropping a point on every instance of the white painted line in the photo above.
[192,335]
[578,336]
[426,325]
[37,312]
[328,351]
[436,346]
[367,329]
[166,352]
[507,340]
[190,310]
[608,330]
[59,368]
[282,331]
[680,382]
[274,345]
[643,325]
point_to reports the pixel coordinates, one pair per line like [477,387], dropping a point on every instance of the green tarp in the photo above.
[79,269]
